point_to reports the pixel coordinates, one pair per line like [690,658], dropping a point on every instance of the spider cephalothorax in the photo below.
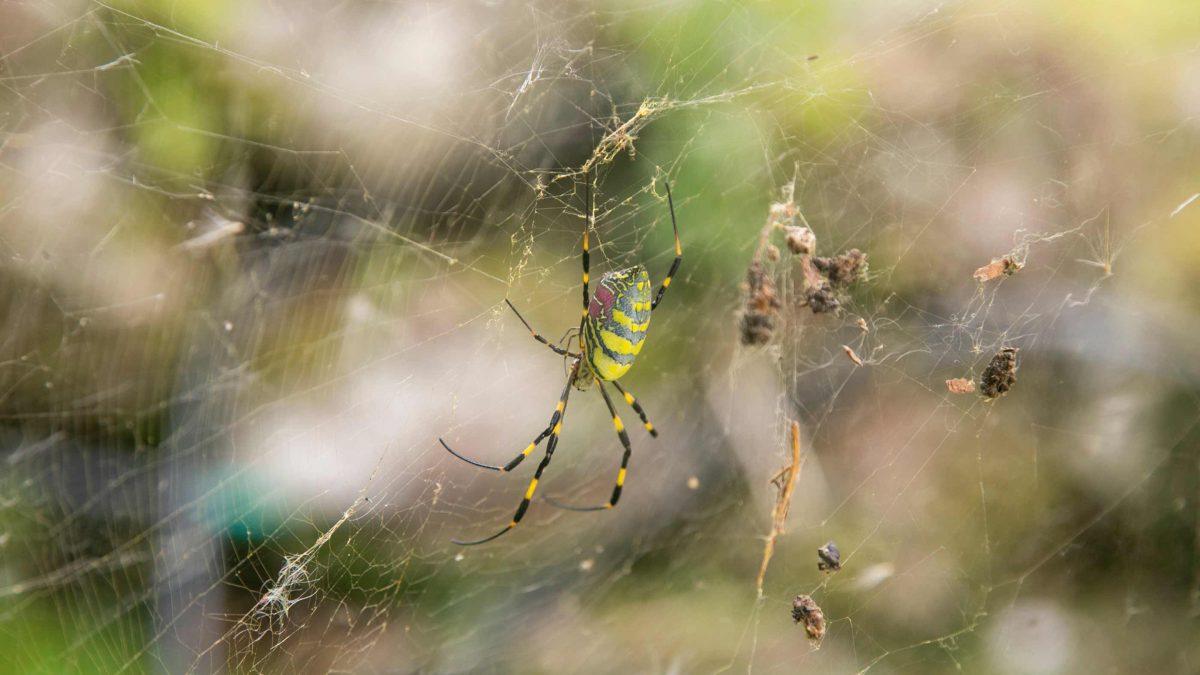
[612,331]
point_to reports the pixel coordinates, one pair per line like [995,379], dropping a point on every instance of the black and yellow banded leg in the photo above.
[678,252]
[553,428]
[539,338]
[537,475]
[616,493]
[637,408]
[587,258]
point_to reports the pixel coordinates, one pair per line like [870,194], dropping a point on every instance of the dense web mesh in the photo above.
[255,257]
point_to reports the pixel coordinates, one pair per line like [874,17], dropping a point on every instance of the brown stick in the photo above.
[783,502]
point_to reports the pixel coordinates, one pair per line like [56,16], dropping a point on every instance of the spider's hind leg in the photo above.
[554,430]
[616,493]
[637,408]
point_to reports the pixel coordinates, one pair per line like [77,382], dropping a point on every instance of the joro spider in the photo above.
[612,331]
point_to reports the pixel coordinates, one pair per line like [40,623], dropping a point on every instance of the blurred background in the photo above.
[253,263]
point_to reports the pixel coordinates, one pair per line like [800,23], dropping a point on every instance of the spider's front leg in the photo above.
[552,428]
[678,252]
[555,348]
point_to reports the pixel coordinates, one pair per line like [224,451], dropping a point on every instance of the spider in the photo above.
[612,331]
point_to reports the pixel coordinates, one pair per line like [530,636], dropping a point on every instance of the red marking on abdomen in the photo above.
[602,303]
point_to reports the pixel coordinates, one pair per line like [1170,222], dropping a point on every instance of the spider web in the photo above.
[255,260]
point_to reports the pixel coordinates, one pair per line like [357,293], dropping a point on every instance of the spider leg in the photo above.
[587,258]
[537,475]
[568,335]
[553,428]
[556,349]
[637,408]
[616,493]
[678,252]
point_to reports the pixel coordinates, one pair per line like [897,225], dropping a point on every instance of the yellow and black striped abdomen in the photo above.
[616,323]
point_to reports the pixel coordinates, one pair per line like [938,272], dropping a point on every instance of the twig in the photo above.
[783,503]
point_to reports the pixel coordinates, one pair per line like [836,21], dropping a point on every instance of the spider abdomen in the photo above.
[617,320]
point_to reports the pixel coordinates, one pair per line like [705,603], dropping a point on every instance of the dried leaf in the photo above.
[960,385]
[853,357]
[1005,266]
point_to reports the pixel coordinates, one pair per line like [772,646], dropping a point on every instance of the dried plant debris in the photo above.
[829,558]
[806,611]
[758,316]
[821,300]
[1005,266]
[843,270]
[852,355]
[801,240]
[785,483]
[822,278]
[818,293]
[960,385]
[1000,374]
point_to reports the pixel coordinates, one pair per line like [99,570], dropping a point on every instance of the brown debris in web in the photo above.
[762,303]
[801,240]
[624,135]
[826,276]
[960,385]
[852,355]
[1000,375]
[761,307]
[843,270]
[821,300]
[1004,266]
[806,611]
[829,558]
[822,278]
[785,483]
[818,292]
